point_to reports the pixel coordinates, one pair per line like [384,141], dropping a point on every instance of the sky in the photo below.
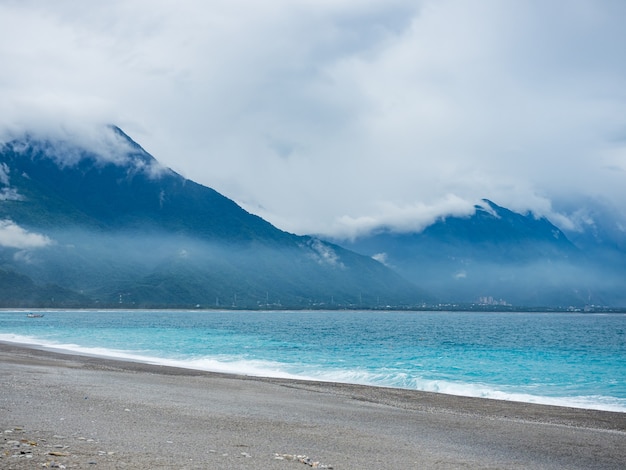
[338,117]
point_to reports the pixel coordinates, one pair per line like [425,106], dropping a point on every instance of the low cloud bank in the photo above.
[14,236]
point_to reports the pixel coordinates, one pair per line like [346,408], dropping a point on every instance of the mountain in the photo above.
[600,230]
[99,222]
[497,256]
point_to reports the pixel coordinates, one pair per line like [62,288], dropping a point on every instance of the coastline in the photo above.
[120,414]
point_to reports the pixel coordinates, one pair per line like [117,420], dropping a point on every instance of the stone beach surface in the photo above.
[68,411]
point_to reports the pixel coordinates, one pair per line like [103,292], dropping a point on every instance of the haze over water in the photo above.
[569,359]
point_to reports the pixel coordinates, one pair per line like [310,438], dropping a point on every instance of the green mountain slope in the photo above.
[105,221]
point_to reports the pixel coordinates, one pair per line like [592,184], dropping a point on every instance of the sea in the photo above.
[568,359]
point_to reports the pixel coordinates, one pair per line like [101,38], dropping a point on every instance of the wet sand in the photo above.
[68,411]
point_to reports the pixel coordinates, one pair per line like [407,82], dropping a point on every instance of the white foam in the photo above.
[225,364]
[260,368]
[595,402]
[393,380]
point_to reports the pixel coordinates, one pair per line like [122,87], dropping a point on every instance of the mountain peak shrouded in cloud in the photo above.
[366,114]
[108,180]
[496,256]
[70,144]
[101,223]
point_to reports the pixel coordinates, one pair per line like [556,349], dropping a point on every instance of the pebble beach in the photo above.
[69,411]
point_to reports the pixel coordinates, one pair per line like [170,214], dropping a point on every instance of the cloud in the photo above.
[10,194]
[14,236]
[382,258]
[322,115]
[405,218]
[323,253]
[4,174]
[7,193]
[72,141]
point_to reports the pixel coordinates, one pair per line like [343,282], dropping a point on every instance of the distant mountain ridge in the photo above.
[108,225]
[100,223]
[497,256]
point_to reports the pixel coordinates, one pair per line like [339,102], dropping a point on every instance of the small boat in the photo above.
[34,315]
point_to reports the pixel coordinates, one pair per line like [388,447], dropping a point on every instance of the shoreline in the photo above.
[141,415]
[159,362]
[477,308]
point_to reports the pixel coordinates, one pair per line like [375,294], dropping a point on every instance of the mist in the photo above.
[533,284]
[159,268]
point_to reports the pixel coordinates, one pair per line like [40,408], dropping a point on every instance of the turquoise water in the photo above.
[566,359]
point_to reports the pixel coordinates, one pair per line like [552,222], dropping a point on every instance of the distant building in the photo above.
[491,301]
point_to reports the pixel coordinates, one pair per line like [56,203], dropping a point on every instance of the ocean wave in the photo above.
[405,381]
[273,369]
[227,365]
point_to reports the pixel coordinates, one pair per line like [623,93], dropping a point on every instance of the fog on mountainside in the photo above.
[499,257]
[116,229]
[151,270]
[101,223]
